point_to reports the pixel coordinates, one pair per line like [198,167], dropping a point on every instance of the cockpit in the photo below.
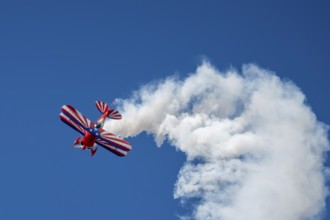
[98,125]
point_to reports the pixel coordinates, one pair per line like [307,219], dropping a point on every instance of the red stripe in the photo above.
[86,122]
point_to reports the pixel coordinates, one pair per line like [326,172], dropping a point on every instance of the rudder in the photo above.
[102,106]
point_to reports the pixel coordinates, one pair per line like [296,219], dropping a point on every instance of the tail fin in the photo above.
[112,113]
[102,106]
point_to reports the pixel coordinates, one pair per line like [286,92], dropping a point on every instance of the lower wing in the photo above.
[71,123]
[111,148]
[113,140]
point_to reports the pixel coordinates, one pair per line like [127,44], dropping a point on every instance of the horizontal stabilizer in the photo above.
[114,114]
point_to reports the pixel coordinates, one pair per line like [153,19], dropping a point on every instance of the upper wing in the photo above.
[71,123]
[75,116]
[114,141]
[111,148]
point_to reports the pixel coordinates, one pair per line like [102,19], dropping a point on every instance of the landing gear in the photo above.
[93,151]
[80,143]
[76,142]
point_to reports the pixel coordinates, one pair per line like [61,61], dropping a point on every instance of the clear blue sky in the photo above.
[76,52]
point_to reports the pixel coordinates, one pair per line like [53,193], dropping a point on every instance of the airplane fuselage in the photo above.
[103,117]
[88,140]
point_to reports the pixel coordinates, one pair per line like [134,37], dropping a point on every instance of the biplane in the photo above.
[93,133]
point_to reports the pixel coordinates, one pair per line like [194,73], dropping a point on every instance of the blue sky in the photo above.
[76,52]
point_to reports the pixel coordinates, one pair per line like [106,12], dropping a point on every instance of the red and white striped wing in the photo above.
[115,141]
[71,123]
[111,148]
[102,106]
[76,116]
[114,114]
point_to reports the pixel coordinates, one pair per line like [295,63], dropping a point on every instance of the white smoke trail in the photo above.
[254,149]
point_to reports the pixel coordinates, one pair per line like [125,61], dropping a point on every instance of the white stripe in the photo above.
[122,144]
